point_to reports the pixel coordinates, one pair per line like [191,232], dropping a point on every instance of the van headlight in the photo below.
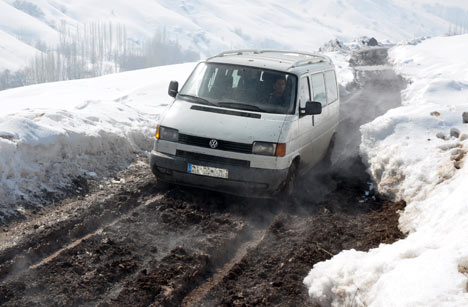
[167,134]
[263,148]
[269,149]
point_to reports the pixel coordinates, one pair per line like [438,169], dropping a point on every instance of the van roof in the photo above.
[282,60]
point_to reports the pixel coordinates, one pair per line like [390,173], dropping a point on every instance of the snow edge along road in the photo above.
[415,152]
[55,133]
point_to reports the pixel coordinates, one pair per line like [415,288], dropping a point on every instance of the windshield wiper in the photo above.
[242,106]
[197,99]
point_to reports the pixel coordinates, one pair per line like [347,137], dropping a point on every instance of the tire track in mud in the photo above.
[272,273]
[95,233]
[199,293]
[28,243]
[172,235]
[199,260]
[139,244]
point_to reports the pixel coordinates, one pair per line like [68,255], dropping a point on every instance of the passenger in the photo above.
[249,85]
[277,98]
[250,77]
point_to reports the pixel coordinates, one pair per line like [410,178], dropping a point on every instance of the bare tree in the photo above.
[94,49]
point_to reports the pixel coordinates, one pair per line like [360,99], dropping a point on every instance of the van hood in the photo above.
[222,123]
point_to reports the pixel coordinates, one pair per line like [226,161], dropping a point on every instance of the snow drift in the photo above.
[417,153]
[52,133]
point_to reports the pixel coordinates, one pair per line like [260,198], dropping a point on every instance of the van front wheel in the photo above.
[290,183]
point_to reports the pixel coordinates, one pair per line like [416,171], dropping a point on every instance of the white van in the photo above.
[247,122]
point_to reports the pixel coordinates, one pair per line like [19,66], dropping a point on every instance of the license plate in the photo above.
[207,171]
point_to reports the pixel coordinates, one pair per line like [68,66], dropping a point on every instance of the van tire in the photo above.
[163,185]
[290,185]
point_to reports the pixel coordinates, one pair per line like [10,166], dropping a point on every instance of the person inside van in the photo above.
[276,97]
[248,85]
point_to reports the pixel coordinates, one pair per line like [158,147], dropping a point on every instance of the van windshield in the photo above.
[241,87]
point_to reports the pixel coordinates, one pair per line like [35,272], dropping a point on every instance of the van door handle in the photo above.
[313,120]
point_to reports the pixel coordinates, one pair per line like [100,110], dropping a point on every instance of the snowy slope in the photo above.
[24,26]
[19,33]
[54,132]
[211,26]
[416,152]
[14,53]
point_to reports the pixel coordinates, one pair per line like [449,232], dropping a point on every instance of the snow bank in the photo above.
[344,73]
[54,132]
[417,153]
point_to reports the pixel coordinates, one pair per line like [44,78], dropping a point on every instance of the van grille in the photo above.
[222,145]
[213,159]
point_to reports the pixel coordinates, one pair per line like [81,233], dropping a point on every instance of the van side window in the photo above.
[318,86]
[304,91]
[332,91]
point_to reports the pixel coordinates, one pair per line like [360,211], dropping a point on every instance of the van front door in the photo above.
[308,150]
[321,122]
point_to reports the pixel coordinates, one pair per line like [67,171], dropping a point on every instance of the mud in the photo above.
[272,273]
[176,241]
[133,242]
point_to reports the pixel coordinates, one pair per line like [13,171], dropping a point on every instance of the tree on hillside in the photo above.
[95,49]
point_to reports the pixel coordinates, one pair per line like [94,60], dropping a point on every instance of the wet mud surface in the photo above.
[133,242]
[171,242]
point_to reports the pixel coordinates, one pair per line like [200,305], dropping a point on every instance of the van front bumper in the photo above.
[242,181]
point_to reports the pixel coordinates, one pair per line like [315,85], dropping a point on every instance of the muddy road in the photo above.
[132,242]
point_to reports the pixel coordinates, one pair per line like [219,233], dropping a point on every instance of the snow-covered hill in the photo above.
[14,53]
[208,27]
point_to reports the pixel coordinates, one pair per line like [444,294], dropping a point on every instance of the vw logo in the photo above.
[213,144]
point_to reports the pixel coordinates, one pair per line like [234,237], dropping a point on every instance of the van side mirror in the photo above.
[311,108]
[173,88]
